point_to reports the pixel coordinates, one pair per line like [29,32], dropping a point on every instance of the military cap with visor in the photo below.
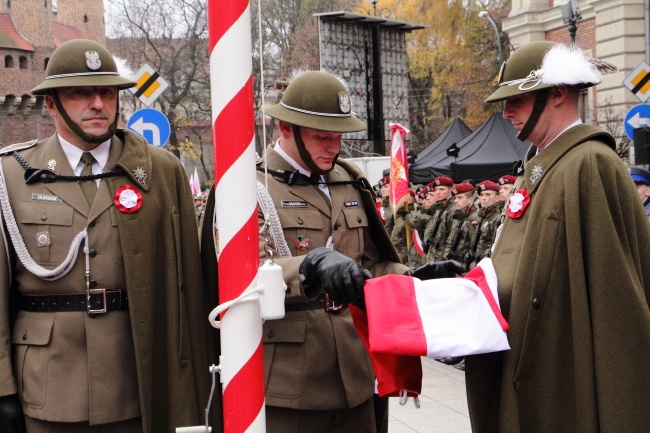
[317,100]
[539,66]
[78,63]
[544,64]
[82,63]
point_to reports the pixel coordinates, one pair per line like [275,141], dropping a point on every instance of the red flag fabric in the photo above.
[436,318]
[399,184]
[417,243]
[380,211]
[397,375]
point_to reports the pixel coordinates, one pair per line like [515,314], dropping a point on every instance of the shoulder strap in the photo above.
[17,147]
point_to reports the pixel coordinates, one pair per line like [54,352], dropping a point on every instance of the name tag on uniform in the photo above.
[351,203]
[45,197]
[292,203]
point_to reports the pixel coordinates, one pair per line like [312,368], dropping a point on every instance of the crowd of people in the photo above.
[445,220]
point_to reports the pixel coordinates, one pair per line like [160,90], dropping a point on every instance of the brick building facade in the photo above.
[30,30]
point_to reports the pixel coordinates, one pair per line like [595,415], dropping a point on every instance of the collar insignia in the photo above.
[536,173]
[140,175]
[51,164]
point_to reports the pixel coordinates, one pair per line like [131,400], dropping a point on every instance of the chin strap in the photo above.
[80,132]
[306,157]
[538,108]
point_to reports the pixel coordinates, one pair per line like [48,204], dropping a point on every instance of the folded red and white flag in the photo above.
[436,318]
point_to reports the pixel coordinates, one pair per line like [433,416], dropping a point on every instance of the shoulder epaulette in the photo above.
[17,147]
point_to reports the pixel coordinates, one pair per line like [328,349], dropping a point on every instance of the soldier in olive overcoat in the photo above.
[572,267]
[103,309]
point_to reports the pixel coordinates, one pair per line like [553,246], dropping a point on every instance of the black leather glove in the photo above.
[341,277]
[433,270]
[12,419]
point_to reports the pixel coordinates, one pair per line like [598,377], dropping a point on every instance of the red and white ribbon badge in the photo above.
[518,203]
[127,199]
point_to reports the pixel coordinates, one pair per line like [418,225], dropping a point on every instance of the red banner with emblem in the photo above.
[399,174]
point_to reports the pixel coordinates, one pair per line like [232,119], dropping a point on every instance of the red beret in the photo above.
[423,193]
[443,181]
[412,193]
[508,179]
[384,181]
[487,185]
[461,188]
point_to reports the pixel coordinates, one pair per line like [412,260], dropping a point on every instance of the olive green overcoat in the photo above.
[156,249]
[574,282]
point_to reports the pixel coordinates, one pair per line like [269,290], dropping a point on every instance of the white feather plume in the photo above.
[567,65]
[123,68]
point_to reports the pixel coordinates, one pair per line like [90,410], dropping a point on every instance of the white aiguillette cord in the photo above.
[21,249]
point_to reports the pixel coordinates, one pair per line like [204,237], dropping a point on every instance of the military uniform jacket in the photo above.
[462,226]
[388,215]
[444,211]
[150,360]
[573,283]
[315,359]
[489,221]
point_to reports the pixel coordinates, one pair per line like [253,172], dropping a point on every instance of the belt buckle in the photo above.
[102,293]
[330,305]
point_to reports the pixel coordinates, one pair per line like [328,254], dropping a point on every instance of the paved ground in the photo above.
[443,403]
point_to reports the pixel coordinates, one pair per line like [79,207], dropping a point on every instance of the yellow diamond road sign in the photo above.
[149,84]
[638,82]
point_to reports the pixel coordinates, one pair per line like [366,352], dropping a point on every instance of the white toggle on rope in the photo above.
[268,289]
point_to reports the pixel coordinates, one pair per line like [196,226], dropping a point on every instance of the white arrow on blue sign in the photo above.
[151,124]
[637,117]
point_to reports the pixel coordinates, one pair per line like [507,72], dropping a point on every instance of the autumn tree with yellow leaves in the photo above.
[452,63]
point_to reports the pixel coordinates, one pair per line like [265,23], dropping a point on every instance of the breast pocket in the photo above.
[284,357]
[348,238]
[303,229]
[46,229]
[31,338]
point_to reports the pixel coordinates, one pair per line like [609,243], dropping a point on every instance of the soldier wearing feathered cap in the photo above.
[102,261]
[571,262]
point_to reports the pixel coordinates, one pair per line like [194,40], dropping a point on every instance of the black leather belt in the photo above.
[96,301]
[323,302]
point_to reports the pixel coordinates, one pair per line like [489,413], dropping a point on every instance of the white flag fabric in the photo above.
[436,318]
[196,187]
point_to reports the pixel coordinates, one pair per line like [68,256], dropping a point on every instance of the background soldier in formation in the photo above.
[486,229]
[462,223]
[437,228]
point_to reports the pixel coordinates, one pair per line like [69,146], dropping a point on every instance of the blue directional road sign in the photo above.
[637,117]
[151,124]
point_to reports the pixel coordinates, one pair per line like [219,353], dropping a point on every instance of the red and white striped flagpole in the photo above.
[242,362]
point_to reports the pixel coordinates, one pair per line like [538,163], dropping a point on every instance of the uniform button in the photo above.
[300,221]
[43,217]
[92,284]
[537,302]
[358,219]
[271,334]
[336,226]
[25,337]
[91,224]
[92,252]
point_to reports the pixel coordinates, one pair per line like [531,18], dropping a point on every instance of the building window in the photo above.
[22,62]
[45,62]
[9,62]
[8,3]
[85,18]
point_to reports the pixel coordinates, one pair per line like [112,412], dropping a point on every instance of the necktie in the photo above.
[89,187]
